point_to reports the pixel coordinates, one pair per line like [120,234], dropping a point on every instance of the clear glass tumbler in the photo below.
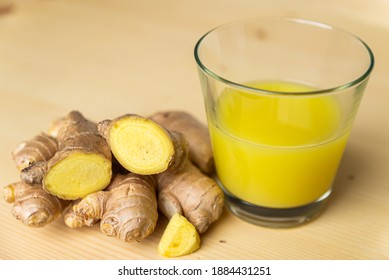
[281,96]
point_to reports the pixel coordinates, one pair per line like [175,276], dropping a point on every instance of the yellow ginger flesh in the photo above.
[78,175]
[179,238]
[139,144]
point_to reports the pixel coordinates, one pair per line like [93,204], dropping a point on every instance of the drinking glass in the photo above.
[281,95]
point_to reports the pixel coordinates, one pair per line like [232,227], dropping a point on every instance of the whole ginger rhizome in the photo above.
[120,174]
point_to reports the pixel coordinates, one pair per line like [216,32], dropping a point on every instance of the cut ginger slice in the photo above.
[139,144]
[78,175]
[179,238]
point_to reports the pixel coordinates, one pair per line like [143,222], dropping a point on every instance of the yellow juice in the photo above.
[274,150]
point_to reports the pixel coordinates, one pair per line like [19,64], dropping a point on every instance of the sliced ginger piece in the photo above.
[179,238]
[78,175]
[81,165]
[139,144]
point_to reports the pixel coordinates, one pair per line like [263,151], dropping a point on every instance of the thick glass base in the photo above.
[276,217]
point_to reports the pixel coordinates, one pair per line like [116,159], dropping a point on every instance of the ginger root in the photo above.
[39,149]
[161,163]
[138,143]
[179,238]
[74,220]
[127,209]
[55,126]
[33,206]
[188,191]
[81,166]
[200,149]
[192,194]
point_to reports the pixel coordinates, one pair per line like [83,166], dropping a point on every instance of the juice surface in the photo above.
[277,151]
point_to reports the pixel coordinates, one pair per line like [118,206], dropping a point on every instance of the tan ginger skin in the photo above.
[127,209]
[182,187]
[32,205]
[196,133]
[189,192]
[82,164]
[38,149]
[192,194]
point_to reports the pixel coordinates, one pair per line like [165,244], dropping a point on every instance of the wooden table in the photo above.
[109,57]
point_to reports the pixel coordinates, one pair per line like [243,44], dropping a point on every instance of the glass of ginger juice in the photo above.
[280,95]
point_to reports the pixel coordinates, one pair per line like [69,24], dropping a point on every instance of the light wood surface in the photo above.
[108,57]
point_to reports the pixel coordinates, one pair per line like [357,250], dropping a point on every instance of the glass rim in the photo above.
[329,90]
